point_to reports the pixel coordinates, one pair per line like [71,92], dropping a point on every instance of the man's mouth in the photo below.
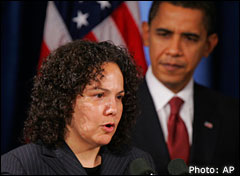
[171,67]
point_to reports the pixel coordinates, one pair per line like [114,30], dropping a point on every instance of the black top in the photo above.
[94,170]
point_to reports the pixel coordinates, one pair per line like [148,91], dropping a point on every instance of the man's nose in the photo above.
[174,48]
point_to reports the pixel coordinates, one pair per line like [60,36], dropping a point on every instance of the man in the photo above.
[179,118]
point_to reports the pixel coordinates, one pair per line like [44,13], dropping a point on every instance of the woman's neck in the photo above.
[88,156]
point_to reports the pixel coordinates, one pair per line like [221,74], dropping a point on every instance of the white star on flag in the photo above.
[104,4]
[81,19]
[117,21]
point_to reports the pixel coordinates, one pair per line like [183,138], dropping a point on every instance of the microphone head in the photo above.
[140,167]
[177,167]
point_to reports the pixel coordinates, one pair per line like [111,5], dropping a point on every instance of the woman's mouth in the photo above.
[109,127]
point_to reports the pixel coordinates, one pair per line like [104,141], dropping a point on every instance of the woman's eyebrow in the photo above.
[122,91]
[97,88]
[103,89]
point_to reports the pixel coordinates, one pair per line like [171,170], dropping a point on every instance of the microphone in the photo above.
[140,167]
[178,167]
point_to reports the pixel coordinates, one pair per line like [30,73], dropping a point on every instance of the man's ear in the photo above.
[145,30]
[212,41]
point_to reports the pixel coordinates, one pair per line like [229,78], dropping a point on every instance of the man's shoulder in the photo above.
[209,94]
[221,106]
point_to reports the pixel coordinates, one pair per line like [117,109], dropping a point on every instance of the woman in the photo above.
[82,112]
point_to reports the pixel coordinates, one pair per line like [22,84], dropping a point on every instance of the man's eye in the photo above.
[191,38]
[163,34]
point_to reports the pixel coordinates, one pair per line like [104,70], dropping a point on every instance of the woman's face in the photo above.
[98,112]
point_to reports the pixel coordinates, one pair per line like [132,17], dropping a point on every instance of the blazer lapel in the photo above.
[63,161]
[112,164]
[205,128]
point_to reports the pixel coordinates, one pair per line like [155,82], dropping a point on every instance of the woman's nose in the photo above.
[111,108]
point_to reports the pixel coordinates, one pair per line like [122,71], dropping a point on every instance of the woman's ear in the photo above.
[145,30]
[212,41]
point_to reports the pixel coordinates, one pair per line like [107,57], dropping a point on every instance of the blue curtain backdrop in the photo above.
[21,35]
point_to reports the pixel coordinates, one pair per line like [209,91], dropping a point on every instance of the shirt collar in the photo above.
[162,95]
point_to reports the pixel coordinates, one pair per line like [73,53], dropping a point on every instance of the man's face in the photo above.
[177,41]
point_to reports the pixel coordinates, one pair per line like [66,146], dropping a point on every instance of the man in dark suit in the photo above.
[203,130]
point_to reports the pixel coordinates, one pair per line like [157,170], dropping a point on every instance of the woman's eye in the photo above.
[120,97]
[100,95]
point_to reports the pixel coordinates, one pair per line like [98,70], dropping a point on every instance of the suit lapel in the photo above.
[151,125]
[205,127]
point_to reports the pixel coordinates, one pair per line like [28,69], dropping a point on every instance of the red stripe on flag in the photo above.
[90,36]
[44,53]
[127,26]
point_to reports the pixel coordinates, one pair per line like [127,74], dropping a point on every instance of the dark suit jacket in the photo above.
[34,159]
[217,147]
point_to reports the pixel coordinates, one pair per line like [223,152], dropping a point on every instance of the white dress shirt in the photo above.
[161,95]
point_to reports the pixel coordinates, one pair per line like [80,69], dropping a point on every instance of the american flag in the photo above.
[118,21]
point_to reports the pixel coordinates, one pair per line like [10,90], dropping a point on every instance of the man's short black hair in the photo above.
[208,7]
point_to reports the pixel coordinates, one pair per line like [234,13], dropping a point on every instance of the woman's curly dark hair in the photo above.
[63,76]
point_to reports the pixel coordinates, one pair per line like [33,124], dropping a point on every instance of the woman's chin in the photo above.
[104,140]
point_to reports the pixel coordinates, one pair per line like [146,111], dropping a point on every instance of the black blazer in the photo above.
[34,159]
[216,147]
